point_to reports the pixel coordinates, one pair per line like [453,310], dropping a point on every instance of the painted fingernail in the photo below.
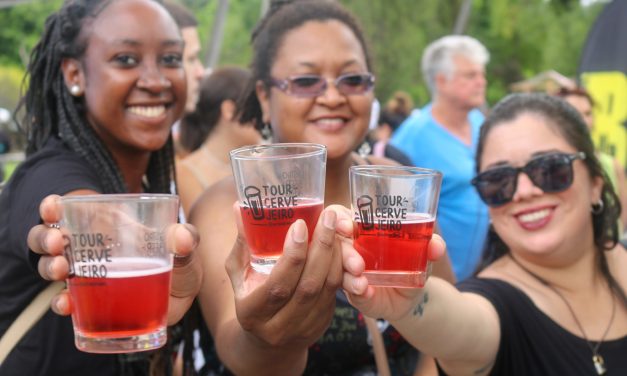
[299,231]
[329,219]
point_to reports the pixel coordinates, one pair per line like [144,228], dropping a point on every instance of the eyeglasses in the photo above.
[309,86]
[551,173]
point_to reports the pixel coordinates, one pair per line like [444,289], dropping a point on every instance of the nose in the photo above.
[331,96]
[153,80]
[525,189]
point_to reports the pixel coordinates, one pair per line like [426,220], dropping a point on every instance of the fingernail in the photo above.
[358,286]
[50,269]
[329,219]
[299,231]
[61,305]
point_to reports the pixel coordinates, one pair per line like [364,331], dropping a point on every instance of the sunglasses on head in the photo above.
[309,86]
[550,172]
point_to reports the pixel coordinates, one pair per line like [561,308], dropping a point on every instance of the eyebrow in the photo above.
[346,64]
[533,155]
[136,43]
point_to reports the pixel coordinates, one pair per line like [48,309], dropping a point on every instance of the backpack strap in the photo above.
[29,316]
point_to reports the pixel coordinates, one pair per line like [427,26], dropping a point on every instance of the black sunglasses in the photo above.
[551,173]
[309,86]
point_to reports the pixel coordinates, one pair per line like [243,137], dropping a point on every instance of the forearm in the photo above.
[244,354]
[449,325]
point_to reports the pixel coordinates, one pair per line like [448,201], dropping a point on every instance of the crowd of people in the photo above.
[528,273]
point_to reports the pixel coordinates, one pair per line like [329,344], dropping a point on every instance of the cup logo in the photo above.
[366,212]
[254,202]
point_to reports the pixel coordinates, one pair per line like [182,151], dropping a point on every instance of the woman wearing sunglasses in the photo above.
[312,82]
[550,299]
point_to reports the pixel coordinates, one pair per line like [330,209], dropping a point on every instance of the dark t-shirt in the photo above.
[533,344]
[48,348]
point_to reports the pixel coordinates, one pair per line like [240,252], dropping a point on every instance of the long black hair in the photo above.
[568,123]
[51,111]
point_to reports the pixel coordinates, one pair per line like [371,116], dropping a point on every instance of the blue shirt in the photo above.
[462,216]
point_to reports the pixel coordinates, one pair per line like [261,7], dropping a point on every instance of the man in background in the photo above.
[192,64]
[444,135]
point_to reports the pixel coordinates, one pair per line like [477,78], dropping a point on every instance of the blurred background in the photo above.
[535,45]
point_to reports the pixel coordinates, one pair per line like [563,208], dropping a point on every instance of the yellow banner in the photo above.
[609,90]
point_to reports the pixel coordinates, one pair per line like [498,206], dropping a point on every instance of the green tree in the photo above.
[21,28]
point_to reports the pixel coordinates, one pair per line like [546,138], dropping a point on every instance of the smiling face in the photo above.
[535,222]
[328,49]
[131,75]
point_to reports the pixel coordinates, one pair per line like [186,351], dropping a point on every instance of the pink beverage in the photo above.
[131,300]
[267,227]
[395,251]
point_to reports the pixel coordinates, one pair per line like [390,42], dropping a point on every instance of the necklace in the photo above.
[597,359]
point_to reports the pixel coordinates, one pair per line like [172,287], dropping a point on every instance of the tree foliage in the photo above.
[524,37]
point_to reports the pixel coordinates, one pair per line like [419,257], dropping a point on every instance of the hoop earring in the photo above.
[75,90]
[597,208]
[266,133]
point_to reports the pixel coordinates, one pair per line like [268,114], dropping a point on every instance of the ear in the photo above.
[597,189]
[227,109]
[264,100]
[73,74]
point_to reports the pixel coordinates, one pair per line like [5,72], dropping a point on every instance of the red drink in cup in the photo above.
[276,185]
[266,235]
[119,269]
[121,304]
[398,249]
[394,209]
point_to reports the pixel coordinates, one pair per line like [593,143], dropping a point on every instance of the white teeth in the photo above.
[146,111]
[535,216]
[328,121]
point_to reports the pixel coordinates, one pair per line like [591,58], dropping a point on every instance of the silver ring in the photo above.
[54,225]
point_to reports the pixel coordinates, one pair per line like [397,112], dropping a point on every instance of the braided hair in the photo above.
[51,111]
[282,17]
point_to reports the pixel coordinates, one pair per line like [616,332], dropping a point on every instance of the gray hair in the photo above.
[438,56]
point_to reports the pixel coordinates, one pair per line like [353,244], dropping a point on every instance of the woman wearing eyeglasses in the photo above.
[550,299]
[312,82]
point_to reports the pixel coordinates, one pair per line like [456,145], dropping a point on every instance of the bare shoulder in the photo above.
[216,198]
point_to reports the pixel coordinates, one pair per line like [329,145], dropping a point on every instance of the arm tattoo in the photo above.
[420,308]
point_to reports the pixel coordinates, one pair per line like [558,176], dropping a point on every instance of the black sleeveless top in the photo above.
[533,344]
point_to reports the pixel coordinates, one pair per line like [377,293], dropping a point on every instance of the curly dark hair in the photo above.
[51,111]
[282,17]
[567,122]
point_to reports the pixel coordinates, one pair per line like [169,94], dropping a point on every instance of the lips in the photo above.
[535,219]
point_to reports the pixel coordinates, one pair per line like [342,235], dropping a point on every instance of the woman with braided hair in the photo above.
[106,82]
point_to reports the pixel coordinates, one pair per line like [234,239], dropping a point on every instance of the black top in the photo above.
[345,348]
[48,348]
[533,344]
